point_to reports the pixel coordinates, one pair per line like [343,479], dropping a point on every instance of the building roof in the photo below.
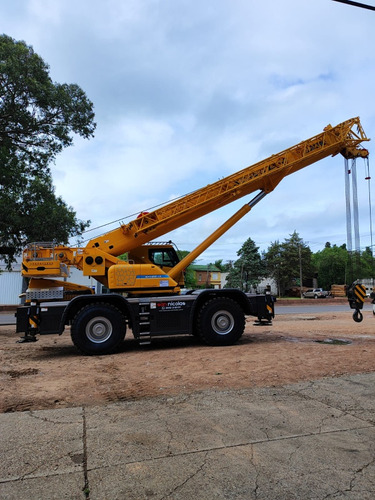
[205,267]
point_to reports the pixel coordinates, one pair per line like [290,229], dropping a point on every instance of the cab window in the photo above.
[164,257]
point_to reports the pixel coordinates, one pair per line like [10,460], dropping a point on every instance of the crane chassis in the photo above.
[99,322]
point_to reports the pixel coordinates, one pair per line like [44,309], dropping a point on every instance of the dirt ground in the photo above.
[52,374]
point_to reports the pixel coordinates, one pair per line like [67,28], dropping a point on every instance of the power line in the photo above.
[356,4]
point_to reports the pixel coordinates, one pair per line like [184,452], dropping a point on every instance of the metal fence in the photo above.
[10,287]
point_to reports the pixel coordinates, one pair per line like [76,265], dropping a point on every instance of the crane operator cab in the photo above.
[163,255]
[160,254]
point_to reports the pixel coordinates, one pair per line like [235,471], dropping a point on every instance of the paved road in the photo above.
[316,308]
[313,440]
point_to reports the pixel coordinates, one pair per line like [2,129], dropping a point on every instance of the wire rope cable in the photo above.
[368,179]
[131,216]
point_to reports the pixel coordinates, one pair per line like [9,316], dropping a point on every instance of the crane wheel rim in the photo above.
[99,329]
[222,322]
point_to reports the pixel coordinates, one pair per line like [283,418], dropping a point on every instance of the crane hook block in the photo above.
[356,297]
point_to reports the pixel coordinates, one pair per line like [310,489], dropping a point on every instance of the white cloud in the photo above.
[186,93]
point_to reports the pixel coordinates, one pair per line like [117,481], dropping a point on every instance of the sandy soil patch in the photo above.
[52,374]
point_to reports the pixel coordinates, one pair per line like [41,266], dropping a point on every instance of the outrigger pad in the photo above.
[27,338]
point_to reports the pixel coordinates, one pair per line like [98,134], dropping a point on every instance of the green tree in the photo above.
[189,274]
[367,264]
[285,261]
[46,214]
[335,265]
[247,270]
[219,264]
[274,261]
[332,266]
[38,119]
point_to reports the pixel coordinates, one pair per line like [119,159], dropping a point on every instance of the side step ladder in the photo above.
[144,324]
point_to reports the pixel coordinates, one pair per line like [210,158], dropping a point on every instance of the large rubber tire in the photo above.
[220,321]
[98,328]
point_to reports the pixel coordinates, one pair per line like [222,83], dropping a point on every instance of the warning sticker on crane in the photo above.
[360,292]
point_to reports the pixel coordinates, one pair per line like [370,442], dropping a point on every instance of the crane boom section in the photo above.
[344,138]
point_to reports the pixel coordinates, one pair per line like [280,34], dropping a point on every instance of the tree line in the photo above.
[290,261]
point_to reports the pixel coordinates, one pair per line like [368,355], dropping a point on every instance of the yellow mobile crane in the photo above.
[152,276]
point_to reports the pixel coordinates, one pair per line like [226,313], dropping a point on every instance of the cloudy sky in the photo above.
[186,92]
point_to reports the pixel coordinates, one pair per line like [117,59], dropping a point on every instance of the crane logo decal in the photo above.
[177,305]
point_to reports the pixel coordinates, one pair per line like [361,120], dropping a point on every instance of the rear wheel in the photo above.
[221,321]
[98,329]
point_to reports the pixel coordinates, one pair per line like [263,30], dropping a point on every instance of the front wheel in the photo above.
[220,321]
[98,329]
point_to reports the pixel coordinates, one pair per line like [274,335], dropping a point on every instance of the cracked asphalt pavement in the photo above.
[310,440]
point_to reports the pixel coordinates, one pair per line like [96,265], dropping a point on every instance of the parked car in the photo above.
[316,293]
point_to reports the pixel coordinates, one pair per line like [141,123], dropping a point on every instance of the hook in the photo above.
[357,316]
